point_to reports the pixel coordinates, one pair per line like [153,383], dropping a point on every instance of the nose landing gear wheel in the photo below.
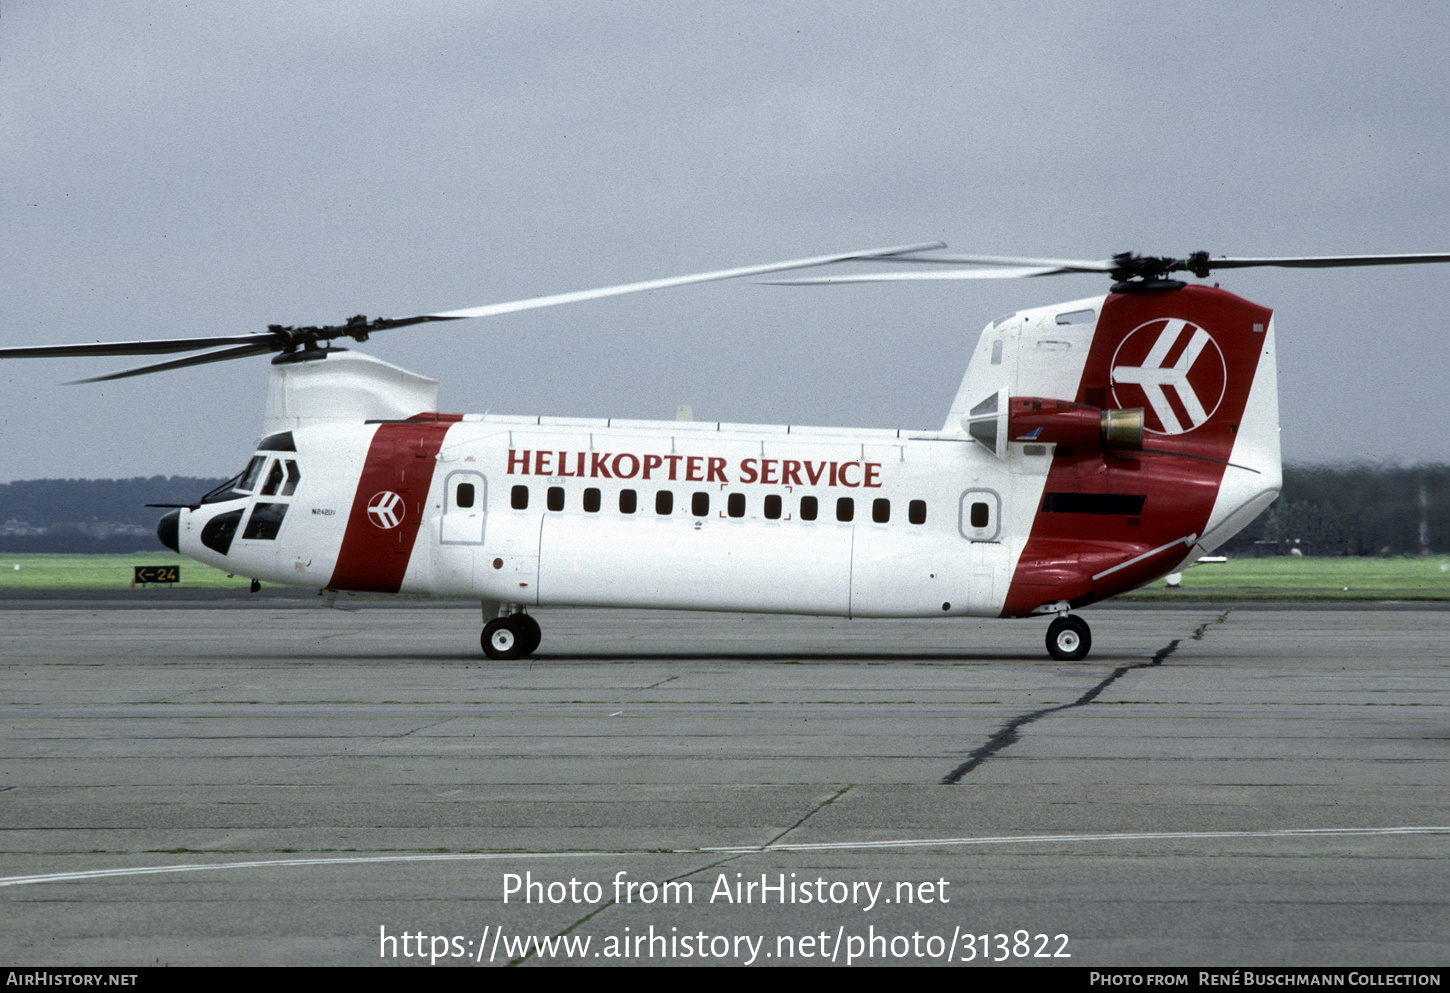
[510,637]
[1069,639]
[503,639]
[531,633]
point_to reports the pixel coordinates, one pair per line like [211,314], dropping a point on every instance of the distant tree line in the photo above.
[1354,510]
[90,515]
[1323,510]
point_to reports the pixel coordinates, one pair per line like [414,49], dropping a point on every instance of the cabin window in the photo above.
[555,498]
[772,507]
[981,515]
[916,512]
[591,500]
[664,502]
[881,510]
[1077,317]
[845,509]
[735,505]
[1034,449]
[519,498]
[628,501]
[997,352]
[465,496]
[700,504]
[810,507]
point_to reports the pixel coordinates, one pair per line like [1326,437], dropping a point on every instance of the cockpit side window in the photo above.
[274,479]
[282,479]
[266,521]
[220,530]
[253,473]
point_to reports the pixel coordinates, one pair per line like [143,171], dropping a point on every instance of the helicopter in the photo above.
[1092,447]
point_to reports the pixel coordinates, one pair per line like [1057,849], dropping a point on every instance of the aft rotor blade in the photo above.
[241,351]
[579,296]
[1326,261]
[159,347]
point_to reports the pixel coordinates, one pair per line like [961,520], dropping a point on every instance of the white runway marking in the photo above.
[1028,839]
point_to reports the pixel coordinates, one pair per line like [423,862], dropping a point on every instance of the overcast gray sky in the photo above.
[174,169]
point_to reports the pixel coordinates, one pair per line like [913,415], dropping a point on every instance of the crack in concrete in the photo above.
[814,811]
[702,868]
[1004,737]
[1007,735]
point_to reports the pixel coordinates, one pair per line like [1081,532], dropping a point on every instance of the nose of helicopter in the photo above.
[169,529]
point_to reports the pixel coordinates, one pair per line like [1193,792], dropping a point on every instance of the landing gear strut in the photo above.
[510,637]
[1069,639]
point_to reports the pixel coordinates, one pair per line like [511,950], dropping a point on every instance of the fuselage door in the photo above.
[980,522]
[463,509]
[987,578]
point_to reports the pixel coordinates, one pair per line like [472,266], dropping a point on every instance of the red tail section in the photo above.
[1111,519]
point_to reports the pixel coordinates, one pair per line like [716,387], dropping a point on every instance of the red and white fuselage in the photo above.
[1019,505]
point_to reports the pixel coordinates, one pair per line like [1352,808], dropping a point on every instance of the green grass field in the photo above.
[1287,577]
[1273,578]
[104,572]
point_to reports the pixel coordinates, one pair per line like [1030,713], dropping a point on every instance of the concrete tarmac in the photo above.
[260,781]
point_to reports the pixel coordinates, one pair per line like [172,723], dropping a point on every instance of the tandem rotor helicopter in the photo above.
[1092,447]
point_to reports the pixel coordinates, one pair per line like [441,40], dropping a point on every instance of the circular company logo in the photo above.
[386,509]
[1174,370]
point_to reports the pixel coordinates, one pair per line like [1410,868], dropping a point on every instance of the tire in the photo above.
[1069,639]
[502,639]
[531,634]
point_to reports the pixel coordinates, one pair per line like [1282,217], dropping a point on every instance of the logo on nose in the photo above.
[386,509]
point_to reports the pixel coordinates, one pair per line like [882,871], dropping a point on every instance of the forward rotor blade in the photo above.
[1056,265]
[938,274]
[160,347]
[279,338]
[239,352]
[578,296]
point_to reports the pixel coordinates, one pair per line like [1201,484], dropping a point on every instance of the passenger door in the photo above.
[464,499]
[980,522]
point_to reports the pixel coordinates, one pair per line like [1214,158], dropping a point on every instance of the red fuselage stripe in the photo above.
[388,507]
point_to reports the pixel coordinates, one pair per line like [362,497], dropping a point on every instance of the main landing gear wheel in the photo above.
[1069,639]
[510,637]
